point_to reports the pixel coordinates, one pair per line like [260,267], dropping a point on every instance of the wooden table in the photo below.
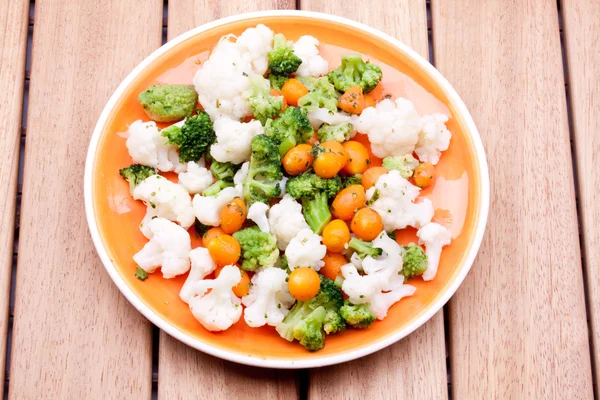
[524,325]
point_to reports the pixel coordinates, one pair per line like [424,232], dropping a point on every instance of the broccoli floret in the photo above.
[357,315]
[334,323]
[262,103]
[259,249]
[194,138]
[216,187]
[321,94]
[223,171]
[283,264]
[264,172]
[135,174]
[282,60]
[291,128]
[141,274]
[339,133]
[314,193]
[306,320]
[403,164]
[354,71]
[277,81]
[200,227]
[363,248]
[167,103]
[415,261]
[351,180]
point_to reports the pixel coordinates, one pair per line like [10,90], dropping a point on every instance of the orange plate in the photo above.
[461,175]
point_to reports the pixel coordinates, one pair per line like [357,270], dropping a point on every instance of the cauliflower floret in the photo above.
[393,127]
[164,199]
[286,220]
[324,116]
[148,147]
[433,138]
[234,139]
[307,48]
[197,178]
[305,250]
[222,80]
[258,213]
[220,308]
[169,248]
[382,285]
[208,208]
[269,300]
[255,43]
[393,198]
[202,265]
[434,236]
[240,176]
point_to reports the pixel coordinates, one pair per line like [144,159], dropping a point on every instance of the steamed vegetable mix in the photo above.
[294,212]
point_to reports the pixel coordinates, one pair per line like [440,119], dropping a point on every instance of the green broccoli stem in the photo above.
[364,248]
[216,187]
[316,212]
[286,145]
[300,311]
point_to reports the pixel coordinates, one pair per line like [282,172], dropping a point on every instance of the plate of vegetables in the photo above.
[286,189]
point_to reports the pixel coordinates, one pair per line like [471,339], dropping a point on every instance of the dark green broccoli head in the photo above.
[259,249]
[338,133]
[264,172]
[307,319]
[351,180]
[354,71]
[223,171]
[357,315]
[194,138]
[333,323]
[363,248]
[167,103]
[135,174]
[309,184]
[415,261]
[277,81]
[282,60]
[291,128]
[321,94]
[200,227]
[263,104]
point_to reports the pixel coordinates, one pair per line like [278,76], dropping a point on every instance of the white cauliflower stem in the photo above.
[393,127]
[196,178]
[307,48]
[168,248]
[164,199]
[286,220]
[220,308]
[258,213]
[433,138]
[393,198]
[269,300]
[148,147]
[305,250]
[202,265]
[434,236]
[234,139]
[208,208]
[382,285]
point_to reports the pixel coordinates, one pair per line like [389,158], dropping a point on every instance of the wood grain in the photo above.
[414,368]
[184,372]
[518,323]
[13,45]
[75,336]
[582,48]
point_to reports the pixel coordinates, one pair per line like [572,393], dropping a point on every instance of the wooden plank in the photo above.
[13,45]
[415,367]
[184,372]
[75,336]
[518,323]
[582,41]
